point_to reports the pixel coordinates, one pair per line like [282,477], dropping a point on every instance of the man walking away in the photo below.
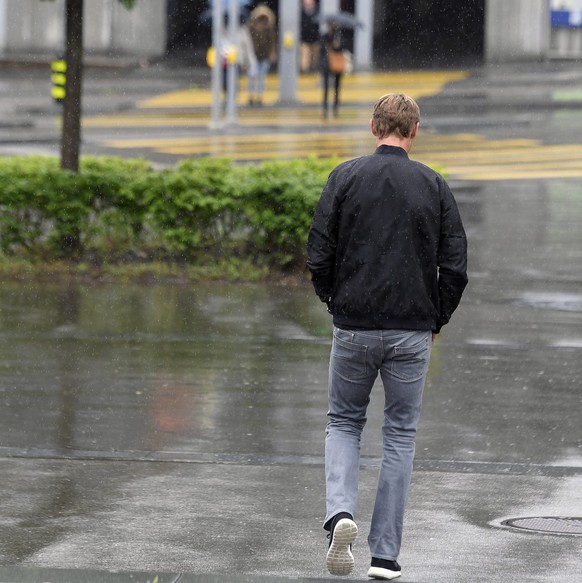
[388,255]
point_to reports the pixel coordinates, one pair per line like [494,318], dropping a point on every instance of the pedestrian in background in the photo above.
[333,64]
[388,255]
[262,28]
[309,48]
[236,50]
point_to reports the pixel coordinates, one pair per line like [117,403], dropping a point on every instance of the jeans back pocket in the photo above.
[410,363]
[348,358]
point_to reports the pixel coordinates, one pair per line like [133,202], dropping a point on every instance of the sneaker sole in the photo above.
[340,560]
[385,574]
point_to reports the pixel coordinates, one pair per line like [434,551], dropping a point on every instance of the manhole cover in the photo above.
[548,524]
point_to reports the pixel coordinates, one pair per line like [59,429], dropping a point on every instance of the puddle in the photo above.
[552,301]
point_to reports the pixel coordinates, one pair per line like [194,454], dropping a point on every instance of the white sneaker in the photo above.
[386,570]
[340,560]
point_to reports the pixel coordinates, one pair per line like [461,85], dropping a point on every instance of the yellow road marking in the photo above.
[360,87]
[465,156]
[517,174]
[246,118]
[303,138]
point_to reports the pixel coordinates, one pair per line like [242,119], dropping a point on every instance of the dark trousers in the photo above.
[337,81]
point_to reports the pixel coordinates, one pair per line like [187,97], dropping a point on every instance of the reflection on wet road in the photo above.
[107,389]
[198,369]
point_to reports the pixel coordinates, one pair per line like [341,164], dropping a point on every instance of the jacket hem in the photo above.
[389,324]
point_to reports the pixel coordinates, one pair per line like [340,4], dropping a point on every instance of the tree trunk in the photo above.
[71,133]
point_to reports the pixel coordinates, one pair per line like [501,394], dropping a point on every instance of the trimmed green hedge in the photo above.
[199,211]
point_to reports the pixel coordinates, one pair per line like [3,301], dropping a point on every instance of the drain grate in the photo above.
[547,524]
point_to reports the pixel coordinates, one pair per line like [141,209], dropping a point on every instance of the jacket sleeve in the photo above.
[452,258]
[322,240]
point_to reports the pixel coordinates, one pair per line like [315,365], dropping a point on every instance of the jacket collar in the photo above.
[397,151]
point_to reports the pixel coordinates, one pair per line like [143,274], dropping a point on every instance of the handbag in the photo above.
[337,62]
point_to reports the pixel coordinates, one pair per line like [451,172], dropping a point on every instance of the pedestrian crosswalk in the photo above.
[176,125]
[474,157]
[361,88]
[463,156]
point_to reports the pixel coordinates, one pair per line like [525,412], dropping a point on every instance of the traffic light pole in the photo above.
[71,135]
[216,65]
[218,30]
[232,69]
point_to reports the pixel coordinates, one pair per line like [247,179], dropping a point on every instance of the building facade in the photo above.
[416,33]
[37,27]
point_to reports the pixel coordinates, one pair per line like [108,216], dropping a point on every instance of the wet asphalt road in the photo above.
[177,431]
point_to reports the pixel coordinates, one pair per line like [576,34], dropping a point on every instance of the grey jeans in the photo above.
[401,357]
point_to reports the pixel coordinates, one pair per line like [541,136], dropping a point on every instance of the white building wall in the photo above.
[566,43]
[566,37]
[516,30]
[35,26]
[140,31]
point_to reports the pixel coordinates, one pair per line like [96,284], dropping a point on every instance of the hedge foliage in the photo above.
[200,210]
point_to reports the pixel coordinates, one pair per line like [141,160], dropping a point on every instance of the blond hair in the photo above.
[395,114]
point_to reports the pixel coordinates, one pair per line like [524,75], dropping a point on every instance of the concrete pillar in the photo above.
[3,25]
[364,36]
[289,29]
[517,30]
[329,6]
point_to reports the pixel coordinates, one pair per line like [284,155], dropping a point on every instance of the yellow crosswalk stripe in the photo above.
[519,174]
[463,156]
[304,139]
[286,117]
[365,87]
[505,159]
[257,147]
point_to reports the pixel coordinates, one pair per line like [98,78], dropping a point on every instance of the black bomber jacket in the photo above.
[387,247]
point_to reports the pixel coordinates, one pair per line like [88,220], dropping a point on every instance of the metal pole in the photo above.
[71,132]
[217,12]
[232,72]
